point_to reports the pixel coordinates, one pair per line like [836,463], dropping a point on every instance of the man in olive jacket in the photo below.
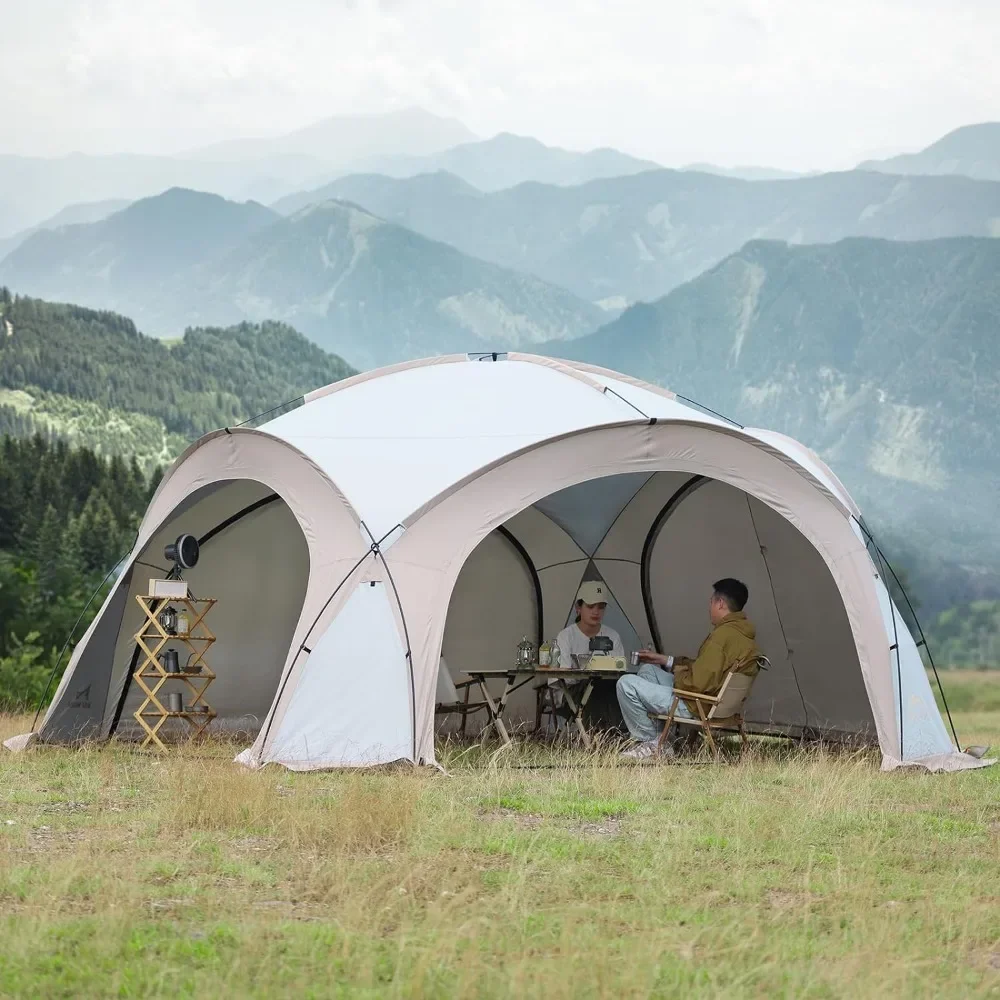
[731,644]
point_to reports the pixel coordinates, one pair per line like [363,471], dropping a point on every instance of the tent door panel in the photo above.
[80,712]
[352,705]
[816,628]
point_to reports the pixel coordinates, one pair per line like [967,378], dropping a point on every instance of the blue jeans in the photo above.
[650,690]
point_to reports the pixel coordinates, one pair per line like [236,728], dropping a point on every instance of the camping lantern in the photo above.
[525,653]
[168,620]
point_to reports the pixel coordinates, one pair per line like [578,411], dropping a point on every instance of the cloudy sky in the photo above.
[794,83]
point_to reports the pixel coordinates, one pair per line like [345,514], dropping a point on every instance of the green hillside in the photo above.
[67,516]
[94,379]
[882,356]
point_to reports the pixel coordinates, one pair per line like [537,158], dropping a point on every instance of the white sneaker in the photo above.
[644,751]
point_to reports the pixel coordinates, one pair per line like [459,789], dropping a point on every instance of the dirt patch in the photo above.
[604,828]
[609,826]
[254,844]
[527,821]
[67,807]
[168,905]
[45,840]
[786,899]
[289,909]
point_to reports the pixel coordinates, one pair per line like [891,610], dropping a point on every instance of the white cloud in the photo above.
[789,82]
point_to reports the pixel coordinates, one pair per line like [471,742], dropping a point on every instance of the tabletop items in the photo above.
[547,656]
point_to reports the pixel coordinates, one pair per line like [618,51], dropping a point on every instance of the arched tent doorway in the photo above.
[441,537]
[658,542]
[255,562]
[278,537]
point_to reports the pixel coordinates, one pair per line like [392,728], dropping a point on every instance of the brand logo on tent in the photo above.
[81,699]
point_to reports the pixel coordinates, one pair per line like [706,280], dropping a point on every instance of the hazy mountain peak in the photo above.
[71,215]
[345,139]
[972,150]
[746,173]
[969,139]
[334,208]
[431,186]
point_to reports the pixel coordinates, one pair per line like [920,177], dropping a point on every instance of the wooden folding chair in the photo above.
[544,706]
[465,708]
[724,710]
[451,703]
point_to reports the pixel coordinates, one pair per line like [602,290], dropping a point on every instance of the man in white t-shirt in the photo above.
[591,603]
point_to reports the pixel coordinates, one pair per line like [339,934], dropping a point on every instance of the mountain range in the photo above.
[856,311]
[35,188]
[507,160]
[882,356]
[619,240]
[749,173]
[370,290]
[400,144]
[71,215]
[973,150]
[344,139]
[132,252]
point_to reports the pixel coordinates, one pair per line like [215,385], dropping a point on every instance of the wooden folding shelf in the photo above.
[151,676]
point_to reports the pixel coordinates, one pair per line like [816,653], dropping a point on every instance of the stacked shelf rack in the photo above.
[151,675]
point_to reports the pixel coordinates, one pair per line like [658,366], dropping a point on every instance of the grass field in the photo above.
[528,874]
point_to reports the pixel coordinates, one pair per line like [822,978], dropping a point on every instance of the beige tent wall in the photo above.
[492,607]
[815,678]
[816,630]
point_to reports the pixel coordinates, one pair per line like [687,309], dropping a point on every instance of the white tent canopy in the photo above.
[452,505]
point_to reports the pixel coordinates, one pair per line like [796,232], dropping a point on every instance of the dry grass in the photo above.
[527,873]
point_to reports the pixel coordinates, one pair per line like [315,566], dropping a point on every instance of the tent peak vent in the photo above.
[487,356]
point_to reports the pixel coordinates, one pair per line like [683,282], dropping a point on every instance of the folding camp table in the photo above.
[563,675]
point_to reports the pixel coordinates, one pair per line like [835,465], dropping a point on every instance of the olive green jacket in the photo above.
[732,643]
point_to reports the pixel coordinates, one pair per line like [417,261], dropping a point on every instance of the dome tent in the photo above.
[452,505]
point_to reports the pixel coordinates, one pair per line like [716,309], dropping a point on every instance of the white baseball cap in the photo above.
[592,592]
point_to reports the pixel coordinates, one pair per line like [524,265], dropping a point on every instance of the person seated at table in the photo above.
[731,642]
[591,603]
